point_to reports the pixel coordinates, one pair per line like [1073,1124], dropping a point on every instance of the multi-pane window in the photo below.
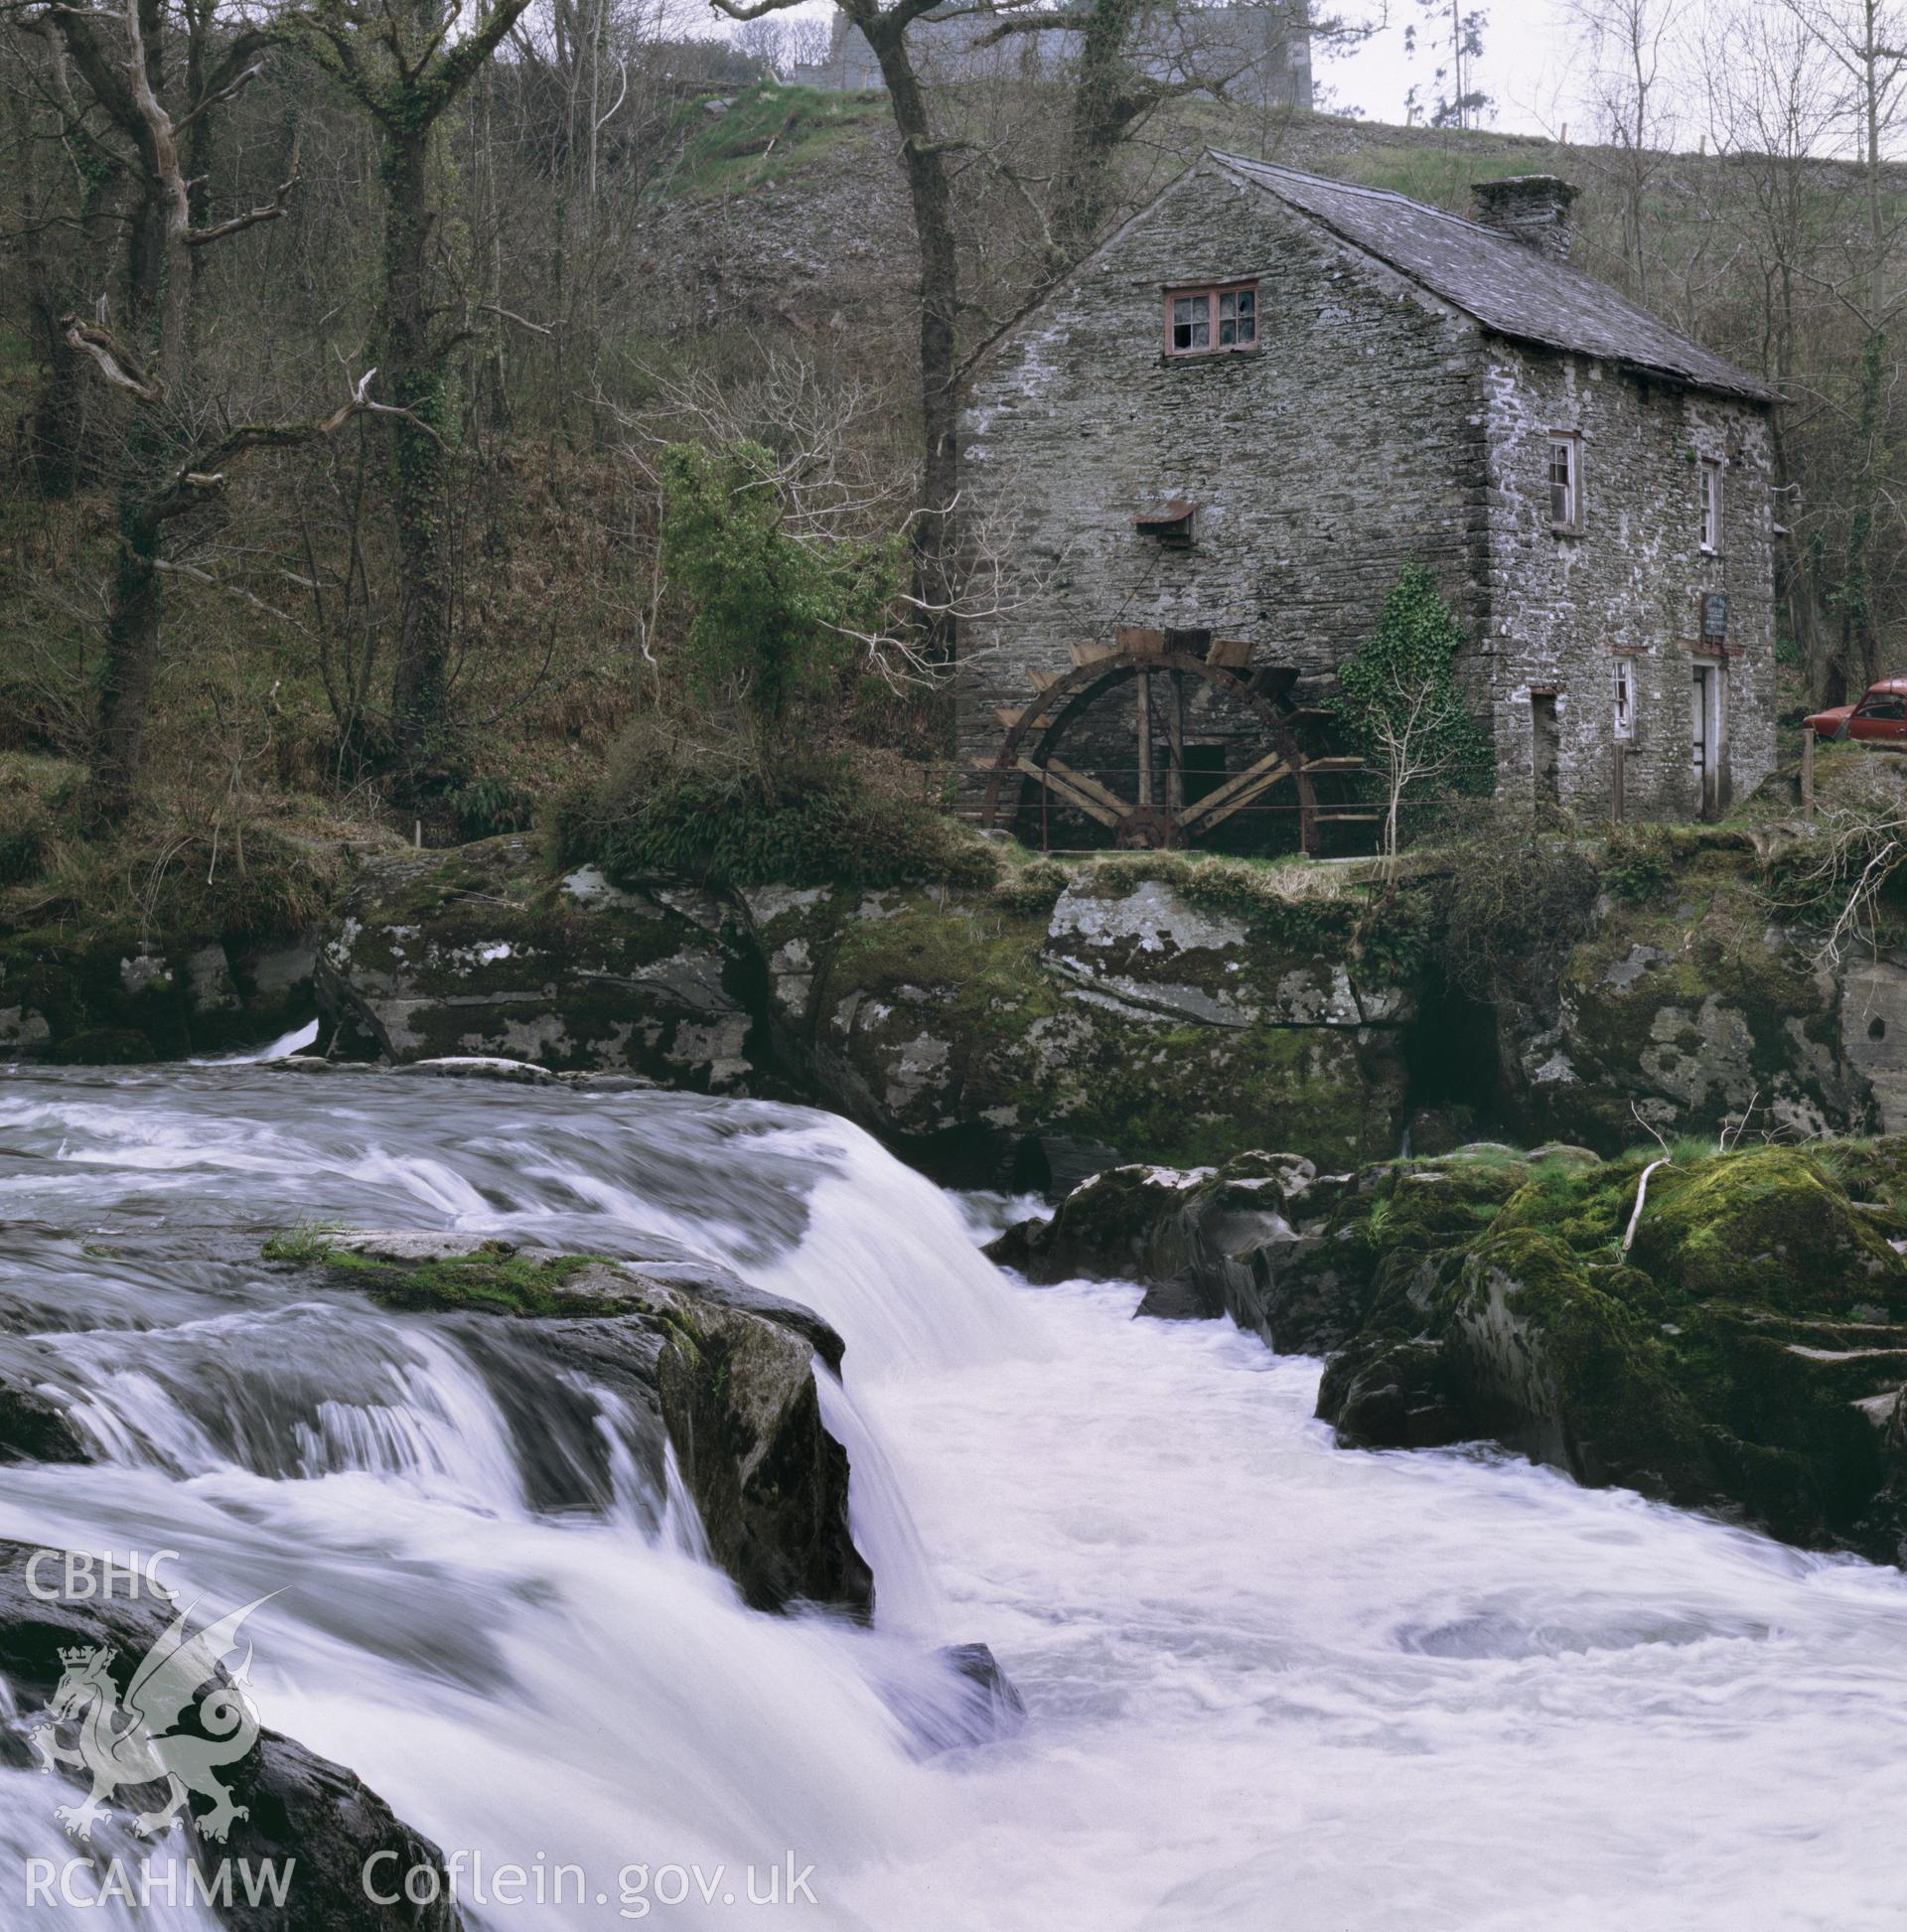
[1711,472]
[1200,321]
[1625,698]
[1191,324]
[1238,318]
[1565,481]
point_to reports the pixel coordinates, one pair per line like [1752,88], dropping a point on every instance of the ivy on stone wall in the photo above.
[1399,699]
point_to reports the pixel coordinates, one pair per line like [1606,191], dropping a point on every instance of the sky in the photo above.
[1526,61]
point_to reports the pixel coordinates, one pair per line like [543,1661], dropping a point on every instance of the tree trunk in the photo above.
[931,197]
[53,422]
[131,660]
[412,375]
[1099,118]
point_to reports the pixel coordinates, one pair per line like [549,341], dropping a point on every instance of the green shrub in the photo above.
[778,611]
[1639,864]
[824,823]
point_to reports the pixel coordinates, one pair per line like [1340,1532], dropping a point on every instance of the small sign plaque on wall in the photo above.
[1714,617]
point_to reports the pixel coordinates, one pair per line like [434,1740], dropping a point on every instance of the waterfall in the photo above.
[1268,1682]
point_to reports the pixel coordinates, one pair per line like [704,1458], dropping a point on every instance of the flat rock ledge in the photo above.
[701,1368]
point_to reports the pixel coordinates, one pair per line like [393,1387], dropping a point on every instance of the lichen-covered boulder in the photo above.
[1111,1014]
[1687,1006]
[1144,948]
[479,950]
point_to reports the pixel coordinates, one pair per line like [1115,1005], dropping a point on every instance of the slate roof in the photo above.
[1504,284]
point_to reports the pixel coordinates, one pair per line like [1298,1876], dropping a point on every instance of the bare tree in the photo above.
[1411,731]
[407,66]
[1771,110]
[837,477]
[170,455]
[923,157]
[1454,35]
[779,46]
[1128,57]
[1623,45]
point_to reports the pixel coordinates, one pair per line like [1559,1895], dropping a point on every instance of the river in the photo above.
[1269,1684]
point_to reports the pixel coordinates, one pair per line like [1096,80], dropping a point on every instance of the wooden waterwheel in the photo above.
[1145,822]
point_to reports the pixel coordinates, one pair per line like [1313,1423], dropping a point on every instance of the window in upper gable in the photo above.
[1207,321]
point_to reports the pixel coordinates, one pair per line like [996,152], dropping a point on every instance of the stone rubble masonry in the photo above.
[1374,423]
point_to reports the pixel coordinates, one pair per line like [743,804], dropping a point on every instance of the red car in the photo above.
[1882,714]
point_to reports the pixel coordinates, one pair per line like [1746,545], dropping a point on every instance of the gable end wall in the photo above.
[1350,440]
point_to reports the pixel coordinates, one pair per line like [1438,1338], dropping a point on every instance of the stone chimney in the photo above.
[1530,208]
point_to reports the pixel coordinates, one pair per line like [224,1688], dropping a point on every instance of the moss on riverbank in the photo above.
[1745,1353]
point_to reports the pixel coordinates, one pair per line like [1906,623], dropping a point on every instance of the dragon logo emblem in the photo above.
[139,1742]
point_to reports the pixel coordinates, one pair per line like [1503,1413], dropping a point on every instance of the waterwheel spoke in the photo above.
[1143,681]
[1067,786]
[1089,785]
[1239,792]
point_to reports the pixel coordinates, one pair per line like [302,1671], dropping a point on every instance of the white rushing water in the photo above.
[1270,1683]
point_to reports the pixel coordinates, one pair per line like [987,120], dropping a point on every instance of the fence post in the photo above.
[1806,775]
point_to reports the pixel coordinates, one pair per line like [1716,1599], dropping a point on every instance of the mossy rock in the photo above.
[1552,1362]
[102,1046]
[1767,1227]
[112,995]
[1424,1205]
[495,1277]
[1744,1355]
[1393,1391]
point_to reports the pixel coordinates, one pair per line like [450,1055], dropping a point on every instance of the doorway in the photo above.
[1704,737]
[1545,747]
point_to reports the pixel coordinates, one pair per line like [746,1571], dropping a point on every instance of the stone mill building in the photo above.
[1227,431]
